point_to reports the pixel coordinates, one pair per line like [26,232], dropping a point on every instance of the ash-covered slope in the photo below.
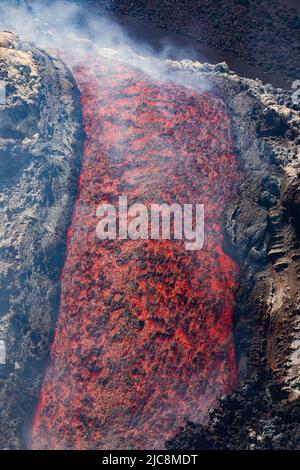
[262,234]
[256,38]
[40,152]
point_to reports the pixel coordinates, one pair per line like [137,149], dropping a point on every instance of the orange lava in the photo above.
[144,336]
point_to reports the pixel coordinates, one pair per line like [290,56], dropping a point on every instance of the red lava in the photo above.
[144,335]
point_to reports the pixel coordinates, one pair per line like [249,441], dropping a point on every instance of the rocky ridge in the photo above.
[41,147]
[262,234]
[40,153]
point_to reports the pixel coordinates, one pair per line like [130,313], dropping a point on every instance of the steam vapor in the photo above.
[80,31]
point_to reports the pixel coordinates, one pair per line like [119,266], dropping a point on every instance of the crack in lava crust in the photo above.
[144,336]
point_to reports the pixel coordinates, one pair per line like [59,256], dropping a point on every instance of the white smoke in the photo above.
[81,30]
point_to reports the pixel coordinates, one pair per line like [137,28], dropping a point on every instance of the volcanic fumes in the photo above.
[143,340]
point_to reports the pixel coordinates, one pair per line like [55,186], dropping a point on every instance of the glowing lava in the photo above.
[143,340]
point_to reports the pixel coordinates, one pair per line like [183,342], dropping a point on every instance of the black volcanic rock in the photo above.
[257,38]
[262,235]
[257,416]
[40,153]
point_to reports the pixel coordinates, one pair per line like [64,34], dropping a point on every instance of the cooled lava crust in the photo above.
[144,339]
[40,155]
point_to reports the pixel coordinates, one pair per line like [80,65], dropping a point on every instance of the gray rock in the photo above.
[40,153]
[262,235]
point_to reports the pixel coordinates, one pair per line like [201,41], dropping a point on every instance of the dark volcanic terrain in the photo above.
[40,153]
[103,324]
[262,235]
[257,38]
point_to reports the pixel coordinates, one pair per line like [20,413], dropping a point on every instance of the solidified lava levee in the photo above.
[143,341]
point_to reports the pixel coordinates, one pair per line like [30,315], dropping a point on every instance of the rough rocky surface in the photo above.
[262,234]
[257,38]
[40,151]
[144,335]
[262,37]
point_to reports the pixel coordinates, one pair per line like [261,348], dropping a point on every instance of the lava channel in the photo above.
[144,340]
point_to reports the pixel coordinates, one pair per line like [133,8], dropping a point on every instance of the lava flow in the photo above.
[143,340]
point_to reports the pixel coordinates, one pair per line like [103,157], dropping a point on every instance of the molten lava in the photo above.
[144,336]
